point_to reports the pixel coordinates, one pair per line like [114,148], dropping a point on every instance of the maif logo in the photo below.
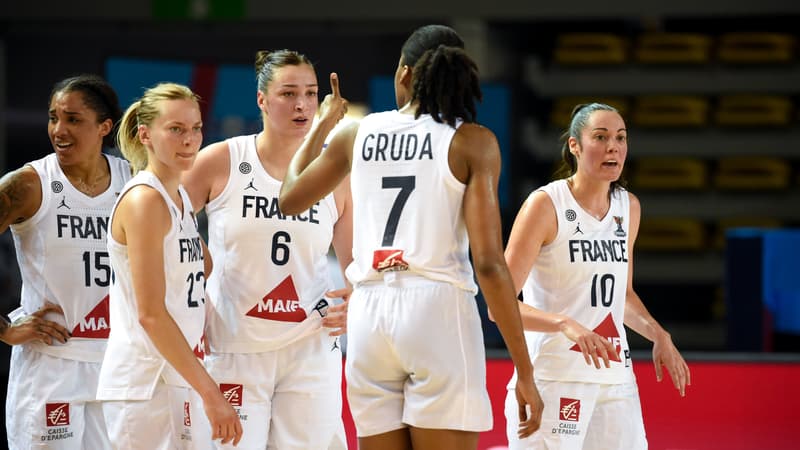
[280,304]
[96,324]
[232,392]
[570,410]
[56,414]
[608,330]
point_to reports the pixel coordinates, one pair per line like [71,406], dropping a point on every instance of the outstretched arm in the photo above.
[639,319]
[313,173]
[536,225]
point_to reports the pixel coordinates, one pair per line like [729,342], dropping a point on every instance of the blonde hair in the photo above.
[143,112]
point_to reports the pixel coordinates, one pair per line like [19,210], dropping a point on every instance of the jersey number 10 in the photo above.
[605,290]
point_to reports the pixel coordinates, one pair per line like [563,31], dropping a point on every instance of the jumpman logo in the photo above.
[578,229]
[63,203]
[335,344]
[250,185]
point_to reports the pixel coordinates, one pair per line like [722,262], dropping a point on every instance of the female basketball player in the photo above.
[157,296]
[424,183]
[571,253]
[57,208]
[268,337]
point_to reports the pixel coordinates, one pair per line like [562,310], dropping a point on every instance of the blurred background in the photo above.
[710,92]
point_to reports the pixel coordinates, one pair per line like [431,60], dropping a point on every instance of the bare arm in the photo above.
[313,173]
[477,148]
[208,176]
[343,246]
[20,196]
[536,225]
[343,229]
[141,221]
[639,319]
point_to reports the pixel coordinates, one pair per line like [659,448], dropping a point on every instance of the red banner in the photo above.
[730,405]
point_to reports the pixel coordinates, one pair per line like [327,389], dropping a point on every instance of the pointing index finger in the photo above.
[335,84]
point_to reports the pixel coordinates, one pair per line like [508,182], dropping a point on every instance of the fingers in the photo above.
[343,293]
[530,420]
[530,408]
[659,373]
[238,430]
[609,352]
[335,84]
[230,432]
[680,375]
[585,350]
[336,319]
[339,309]
[53,329]
[48,308]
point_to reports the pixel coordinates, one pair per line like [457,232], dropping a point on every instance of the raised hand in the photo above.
[334,106]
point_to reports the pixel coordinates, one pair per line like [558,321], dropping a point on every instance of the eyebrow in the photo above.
[71,113]
[606,129]
[178,122]
[297,85]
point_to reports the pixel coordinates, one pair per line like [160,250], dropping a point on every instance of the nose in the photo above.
[56,127]
[192,136]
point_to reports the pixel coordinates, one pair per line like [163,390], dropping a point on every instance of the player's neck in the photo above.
[276,151]
[591,195]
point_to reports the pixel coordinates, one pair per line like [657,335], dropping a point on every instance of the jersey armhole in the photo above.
[217,201]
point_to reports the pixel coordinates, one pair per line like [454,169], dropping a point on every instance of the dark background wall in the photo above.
[512,40]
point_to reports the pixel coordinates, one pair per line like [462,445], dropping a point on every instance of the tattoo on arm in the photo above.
[13,192]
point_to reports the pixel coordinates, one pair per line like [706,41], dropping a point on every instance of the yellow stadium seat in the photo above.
[752,172]
[670,111]
[755,48]
[725,224]
[673,233]
[561,114]
[669,173]
[590,48]
[753,110]
[673,48]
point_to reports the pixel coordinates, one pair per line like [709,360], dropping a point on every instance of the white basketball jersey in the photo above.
[407,205]
[270,269]
[62,256]
[132,364]
[582,274]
